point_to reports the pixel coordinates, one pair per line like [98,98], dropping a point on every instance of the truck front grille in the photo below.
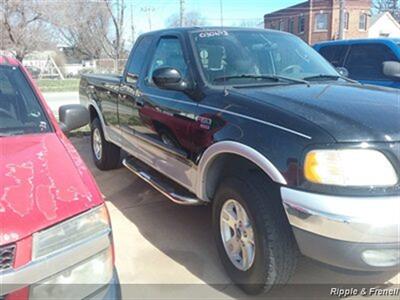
[7,254]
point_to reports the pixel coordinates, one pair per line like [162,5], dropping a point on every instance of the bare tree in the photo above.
[192,18]
[251,23]
[92,28]
[114,41]
[391,6]
[82,25]
[22,27]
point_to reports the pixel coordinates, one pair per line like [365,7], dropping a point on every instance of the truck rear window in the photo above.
[20,110]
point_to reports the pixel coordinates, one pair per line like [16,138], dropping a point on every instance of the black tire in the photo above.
[276,252]
[110,154]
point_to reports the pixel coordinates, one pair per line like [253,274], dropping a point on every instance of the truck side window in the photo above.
[334,54]
[138,56]
[168,53]
[366,61]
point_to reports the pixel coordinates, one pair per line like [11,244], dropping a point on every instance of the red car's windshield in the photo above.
[20,110]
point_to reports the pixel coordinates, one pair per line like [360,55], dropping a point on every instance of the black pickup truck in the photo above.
[291,156]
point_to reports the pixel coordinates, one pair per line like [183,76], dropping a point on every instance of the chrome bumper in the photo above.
[350,219]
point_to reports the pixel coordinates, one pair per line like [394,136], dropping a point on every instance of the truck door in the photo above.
[163,118]
[127,105]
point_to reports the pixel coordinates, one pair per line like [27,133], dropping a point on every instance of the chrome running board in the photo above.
[164,185]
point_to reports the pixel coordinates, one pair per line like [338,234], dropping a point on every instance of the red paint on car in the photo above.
[43,181]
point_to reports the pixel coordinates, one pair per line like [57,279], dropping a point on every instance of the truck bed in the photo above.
[102,78]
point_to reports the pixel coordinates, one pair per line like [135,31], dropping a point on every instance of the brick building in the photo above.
[318,20]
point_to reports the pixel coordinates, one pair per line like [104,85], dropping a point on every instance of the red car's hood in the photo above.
[42,181]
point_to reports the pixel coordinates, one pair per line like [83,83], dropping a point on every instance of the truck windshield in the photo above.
[20,111]
[248,57]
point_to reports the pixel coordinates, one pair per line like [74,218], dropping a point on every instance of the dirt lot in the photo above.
[164,250]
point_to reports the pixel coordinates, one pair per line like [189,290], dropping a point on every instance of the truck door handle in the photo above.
[139,103]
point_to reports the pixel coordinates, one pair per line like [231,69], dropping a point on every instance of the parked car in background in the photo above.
[290,154]
[55,231]
[369,61]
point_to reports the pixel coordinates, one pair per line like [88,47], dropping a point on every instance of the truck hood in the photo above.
[42,182]
[348,112]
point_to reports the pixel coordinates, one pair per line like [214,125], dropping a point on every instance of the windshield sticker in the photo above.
[208,34]
[204,58]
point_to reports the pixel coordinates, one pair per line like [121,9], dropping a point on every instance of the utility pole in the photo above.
[342,17]
[182,13]
[221,12]
[132,25]
[148,10]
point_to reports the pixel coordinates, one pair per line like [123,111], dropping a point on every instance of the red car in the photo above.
[55,229]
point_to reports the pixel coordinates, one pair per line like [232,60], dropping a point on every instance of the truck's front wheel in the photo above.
[254,239]
[106,155]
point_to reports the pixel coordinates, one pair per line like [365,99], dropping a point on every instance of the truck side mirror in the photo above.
[73,116]
[169,79]
[391,69]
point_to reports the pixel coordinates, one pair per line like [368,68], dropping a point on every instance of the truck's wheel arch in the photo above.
[94,111]
[211,158]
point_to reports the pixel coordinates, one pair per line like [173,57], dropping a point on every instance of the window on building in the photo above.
[291,25]
[346,20]
[281,25]
[362,25]
[365,62]
[301,25]
[321,22]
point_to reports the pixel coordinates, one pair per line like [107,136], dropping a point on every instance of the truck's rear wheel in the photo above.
[253,237]
[106,155]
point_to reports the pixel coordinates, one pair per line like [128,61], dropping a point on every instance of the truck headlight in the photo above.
[71,232]
[349,167]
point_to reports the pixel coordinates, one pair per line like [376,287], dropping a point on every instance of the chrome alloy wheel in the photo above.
[97,143]
[237,235]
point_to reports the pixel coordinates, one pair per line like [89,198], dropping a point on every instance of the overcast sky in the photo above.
[234,11]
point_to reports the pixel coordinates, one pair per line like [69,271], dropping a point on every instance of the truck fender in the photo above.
[231,147]
[93,103]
